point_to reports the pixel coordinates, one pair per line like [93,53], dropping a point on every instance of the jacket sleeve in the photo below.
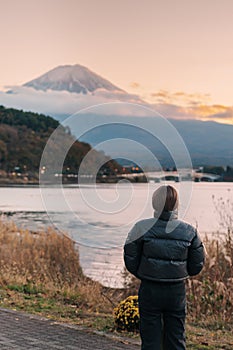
[132,250]
[196,256]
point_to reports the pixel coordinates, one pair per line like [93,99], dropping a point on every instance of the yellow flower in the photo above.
[127,314]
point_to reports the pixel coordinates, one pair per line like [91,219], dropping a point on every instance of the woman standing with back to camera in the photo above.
[163,252]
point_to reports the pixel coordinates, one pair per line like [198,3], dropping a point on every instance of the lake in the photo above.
[99,217]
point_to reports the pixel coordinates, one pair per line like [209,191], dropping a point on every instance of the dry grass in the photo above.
[44,258]
[210,294]
[47,263]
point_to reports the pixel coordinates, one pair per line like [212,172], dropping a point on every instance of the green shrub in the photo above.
[127,315]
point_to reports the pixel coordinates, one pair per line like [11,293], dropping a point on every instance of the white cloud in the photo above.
[62,102]
[66,103]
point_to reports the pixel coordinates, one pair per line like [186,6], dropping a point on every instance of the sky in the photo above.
[170,52]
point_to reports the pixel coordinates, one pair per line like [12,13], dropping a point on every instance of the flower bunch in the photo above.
[127,314]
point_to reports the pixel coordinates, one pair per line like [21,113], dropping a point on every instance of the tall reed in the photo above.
[48,261]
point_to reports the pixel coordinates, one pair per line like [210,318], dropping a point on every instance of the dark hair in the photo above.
[165,198]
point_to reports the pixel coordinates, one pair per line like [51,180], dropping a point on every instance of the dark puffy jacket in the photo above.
[164,249]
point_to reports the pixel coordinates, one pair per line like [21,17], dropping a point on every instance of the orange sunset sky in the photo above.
[166,51]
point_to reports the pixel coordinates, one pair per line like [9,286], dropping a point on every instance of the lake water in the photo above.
[99,217]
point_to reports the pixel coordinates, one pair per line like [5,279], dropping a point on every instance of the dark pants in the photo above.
[162,308]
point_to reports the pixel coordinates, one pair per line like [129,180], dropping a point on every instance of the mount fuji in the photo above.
[64,90]
[72,78]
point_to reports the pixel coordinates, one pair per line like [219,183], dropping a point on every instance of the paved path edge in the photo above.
[115,337]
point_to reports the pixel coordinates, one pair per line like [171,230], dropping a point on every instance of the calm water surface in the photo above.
[98,219]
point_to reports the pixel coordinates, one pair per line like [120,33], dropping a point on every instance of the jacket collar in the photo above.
[166,215]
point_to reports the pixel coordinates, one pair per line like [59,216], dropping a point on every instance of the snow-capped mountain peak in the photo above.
[72,78]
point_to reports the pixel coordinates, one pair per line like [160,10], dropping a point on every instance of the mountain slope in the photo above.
[23,136]
[209,143]
[72,78]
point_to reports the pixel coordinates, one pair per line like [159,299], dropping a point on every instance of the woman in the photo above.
[162,252]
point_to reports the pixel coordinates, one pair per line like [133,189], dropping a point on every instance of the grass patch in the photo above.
[25,288]
[205,337]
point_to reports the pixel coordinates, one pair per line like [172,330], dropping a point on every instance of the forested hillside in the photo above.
[23,136]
